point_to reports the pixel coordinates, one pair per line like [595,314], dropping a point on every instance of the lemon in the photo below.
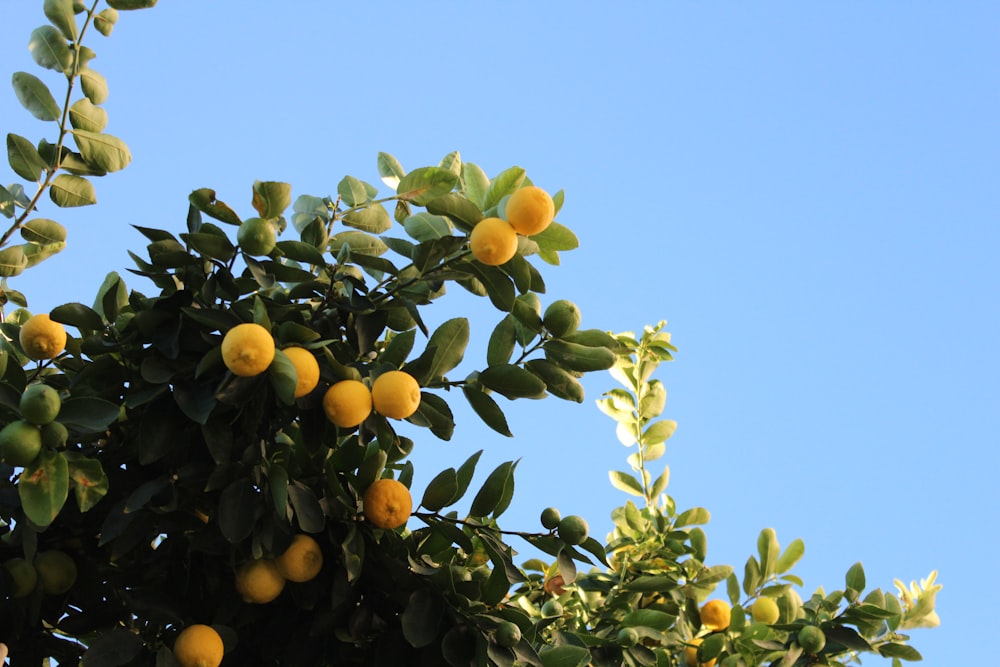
[715,615]
[561,318]
[530,210]
[301,561]
[811,639]
[550,518]
[573,529]
[306,369]
[493,241]
[247,349]
[42,338]
[198,646]
[507,634]
[259,581]
[387,503]
[56,571]
[691,654]
[347,403]
[395,394]
[765,610]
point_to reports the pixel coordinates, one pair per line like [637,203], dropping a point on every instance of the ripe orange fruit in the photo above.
[56,571]
[530,210]
[395,394]
[387,503]
[259,581]
[256,236]
[765,610]
[691,654]
[306,369]
[42,338]
[301,561]
[347,403]
[247,349]
[198,646]
[555,585]
[493,241]
[715,615]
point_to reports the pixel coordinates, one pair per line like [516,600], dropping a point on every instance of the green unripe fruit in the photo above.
[550,518]
[56,571]
[507,634]
[573,530]
[627,637]
[54,435]
[23,577]
[765,610]
[20,443]
[551,609]
[40,404]
[811,639]
[256,236]
[561,318]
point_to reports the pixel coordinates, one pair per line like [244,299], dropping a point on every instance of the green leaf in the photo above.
[88,414]
[301,252]
[112,648]
[373,219]
[49,49]
[660,485]
[558,382]
[104,151]
[90,484]
[390,170]
[79,316]
[12,261]
[44,487]
[271,198]
[659,431]
[502,341]
[856,577]
[498,285]
[488,410]
[452,162]
[458,208]
[83,115]
[128,5]
[43,231]
[307,508]
[476,183]
[556,238]
[237,507]
[449,342]
[354,191]
[424,226]
[648,618]
[36,253]
[768,549]
[426,184]
[358,242]
[901,651]
[505,183]
[105,21]
[751,576]
[35,96]
[68,191]
[565,656]
[650,584]
[204,200]
[576,357]
[211,245]
[441,491]
[60,13]
[488,498]
[793,552]
[283,377]
[626,482]
[94,86]
[24,158]
[512,381]
[692,517]
[421,619]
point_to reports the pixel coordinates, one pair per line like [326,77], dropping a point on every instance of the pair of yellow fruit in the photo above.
[394,394]
[248,350]
[716,616]
[261,581]
[530,210]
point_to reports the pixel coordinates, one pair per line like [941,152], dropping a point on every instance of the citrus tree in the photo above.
[213,470]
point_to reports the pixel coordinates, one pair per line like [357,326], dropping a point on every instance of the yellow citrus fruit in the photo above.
[715,615]
[493,241]
[347,403]
[23,577]
[301,561]
[530,210]
[395,394]
[42,338]
[56,571]
[306,369]
[20,443]
[691,654]
[256,236]
[198,646]
[247,349]
[387,503]
[40,404]
[765,610]
[259,581]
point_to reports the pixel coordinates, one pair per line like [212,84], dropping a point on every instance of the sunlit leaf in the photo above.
[94,86]
[44,486]
[49,49]
[106,152]
[24,158]
[35,96]
[426,184]
[60,13]
[68,191]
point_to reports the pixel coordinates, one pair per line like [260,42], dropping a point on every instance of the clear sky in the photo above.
[807,192]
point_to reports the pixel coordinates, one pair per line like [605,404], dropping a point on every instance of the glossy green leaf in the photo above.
[283,377]
[426,184]
[505,183]
[452,162]
[307,508]
[44,486]
[441,490]
[493,490]
[476,184]
[24,158]
[512,381]
[501,343]
[856,577]
[49,49]
[498,285]
[358,242]
[127,5]
[556,237]
[12,261]
[301,252]
[558,382]
[373,219]
[487,410]
[576,357]
[768,549]
[449,342]
[461,210]
[626,482]
[390,170]
[424,226]
[89,482]
[751,576]
[88,414]
[648,618]
[793,552]
[565,656]
[659,431]
[68,191]
[271,198]
[94,86]
[105,21]
[901,651]
[211,245]
[84,115]
[79,316]
[353,191]
[421,619]
[692,517]
[60,13]
[35,96]
[104,151]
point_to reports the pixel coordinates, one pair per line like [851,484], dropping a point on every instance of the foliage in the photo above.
[183,473]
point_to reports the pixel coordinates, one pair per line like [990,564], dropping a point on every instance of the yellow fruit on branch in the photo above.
[493,241]
[765,610]
[395,394]
[301,561]
[347,403]
[259,581]
[715,615]
[530,210]
[247,349]
[691,654]
[199,646]
[387,503]
[306,369]
[42,338]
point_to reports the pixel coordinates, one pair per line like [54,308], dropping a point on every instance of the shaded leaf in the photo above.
[60,13]
[43,231]
[24,158]
[488,410]
[449,342]
[512,381]
[79,316]
[358,242]
[35,96]
[94,86]
[421,619]
[373,219]
[565,656]
[493,490]
[68,191]
[84,115]
[441,490]
[49,49]
[104,151]
[88,414]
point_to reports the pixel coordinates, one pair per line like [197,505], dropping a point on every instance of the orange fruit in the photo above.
[530,210]
[247,349]
[42,338]
[387,503]
[395,394]
[306,369]
[493,241]
[347,403]
[691,654]
[259,581]
[715,615]
[301,561]
[198,646]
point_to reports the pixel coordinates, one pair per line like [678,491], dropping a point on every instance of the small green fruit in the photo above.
[23,577]
[765,610]
[561,318]
[56,571]
[573,530]
[54,435]
[40,404]
[20,443]
[551,609]
[507,634]
[627,637]
[811,639]
[256,236]
[550,518]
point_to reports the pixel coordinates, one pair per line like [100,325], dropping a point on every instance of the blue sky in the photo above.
[806,191]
